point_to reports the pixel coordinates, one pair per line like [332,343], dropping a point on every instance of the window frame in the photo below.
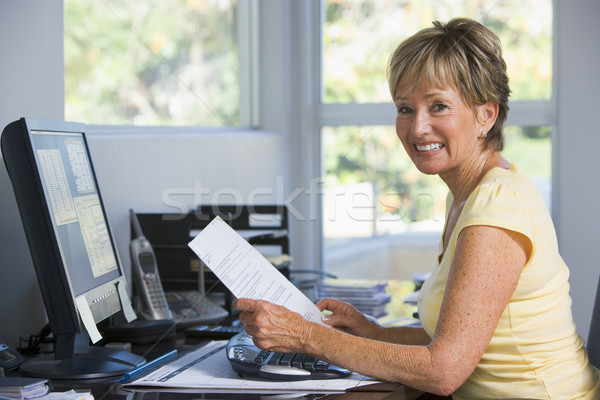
[249,102]
[522,113]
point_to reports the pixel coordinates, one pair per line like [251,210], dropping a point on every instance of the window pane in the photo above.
[360,35]
[153,62]
[382,218]
[372,188]
[531,148]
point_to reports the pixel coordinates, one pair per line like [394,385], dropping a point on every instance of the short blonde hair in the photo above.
[462,54]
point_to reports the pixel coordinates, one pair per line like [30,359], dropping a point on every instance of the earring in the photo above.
[483,134]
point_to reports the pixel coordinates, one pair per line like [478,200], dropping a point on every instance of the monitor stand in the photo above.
[74,359]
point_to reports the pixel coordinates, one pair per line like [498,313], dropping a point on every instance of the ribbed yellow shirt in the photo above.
[535,351]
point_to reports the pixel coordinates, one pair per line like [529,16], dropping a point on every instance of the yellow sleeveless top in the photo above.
[535,351]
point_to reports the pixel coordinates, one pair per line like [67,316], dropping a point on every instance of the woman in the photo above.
[496,311]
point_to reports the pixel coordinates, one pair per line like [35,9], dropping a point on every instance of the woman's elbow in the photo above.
[444,388]
[448,375]
[443,385]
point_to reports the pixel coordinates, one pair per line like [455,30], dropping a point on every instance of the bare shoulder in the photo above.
[488,261]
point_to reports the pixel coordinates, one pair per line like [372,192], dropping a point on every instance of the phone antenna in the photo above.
[135,224]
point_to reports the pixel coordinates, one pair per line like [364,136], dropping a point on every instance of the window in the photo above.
[153,62]
[360,35]
[376,202]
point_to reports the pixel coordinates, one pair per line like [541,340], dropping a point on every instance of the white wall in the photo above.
[174,172]
[288,99]
[31,83]
[577,172]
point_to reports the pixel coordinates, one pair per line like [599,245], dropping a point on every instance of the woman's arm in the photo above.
[347,318]
[486,268]
[485,271]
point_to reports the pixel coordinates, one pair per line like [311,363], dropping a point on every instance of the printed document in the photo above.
[245,272]
[208,368]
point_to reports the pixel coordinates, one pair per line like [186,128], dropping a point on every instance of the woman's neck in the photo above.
[463,181]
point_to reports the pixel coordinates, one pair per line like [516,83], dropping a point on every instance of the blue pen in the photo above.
[149,364]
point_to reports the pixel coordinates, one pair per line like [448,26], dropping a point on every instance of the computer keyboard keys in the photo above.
[250,361]
[286,360]
[298,361]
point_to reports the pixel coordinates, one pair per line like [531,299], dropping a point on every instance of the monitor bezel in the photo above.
[73,357]
[55,286]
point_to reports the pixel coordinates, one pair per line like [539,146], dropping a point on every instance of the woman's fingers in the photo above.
[336,306]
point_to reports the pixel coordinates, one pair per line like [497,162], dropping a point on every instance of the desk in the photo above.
[399,313]
[117,393]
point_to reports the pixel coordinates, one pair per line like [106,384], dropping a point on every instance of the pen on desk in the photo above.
[149,364]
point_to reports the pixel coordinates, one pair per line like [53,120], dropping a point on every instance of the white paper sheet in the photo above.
[245,272]
[208,368]
[125,303]
[88,319]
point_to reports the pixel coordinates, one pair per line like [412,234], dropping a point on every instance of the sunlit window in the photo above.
[376,203]
[360,35]
[372,188]
[152,62]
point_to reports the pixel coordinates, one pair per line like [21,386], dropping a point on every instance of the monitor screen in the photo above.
[73,251]
[75,210]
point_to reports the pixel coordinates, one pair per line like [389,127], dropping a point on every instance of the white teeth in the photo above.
[428,147]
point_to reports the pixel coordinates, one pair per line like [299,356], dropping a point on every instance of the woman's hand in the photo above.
[274,327]
[347,319]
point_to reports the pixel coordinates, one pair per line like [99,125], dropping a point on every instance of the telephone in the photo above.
[147,281]
[185,308]
[9,358]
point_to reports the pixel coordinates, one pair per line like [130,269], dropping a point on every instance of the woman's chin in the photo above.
[428,169]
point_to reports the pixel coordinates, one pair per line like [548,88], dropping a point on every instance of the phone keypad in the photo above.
[157,297]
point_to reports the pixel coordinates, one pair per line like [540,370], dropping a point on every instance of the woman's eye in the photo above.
[404,110]
[439,107]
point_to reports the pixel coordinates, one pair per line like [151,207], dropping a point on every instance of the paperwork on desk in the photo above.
[208,368]
[17,387]
[246,272]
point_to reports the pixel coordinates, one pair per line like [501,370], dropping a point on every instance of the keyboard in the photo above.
[251,362]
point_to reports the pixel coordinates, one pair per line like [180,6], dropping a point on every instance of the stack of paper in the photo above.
[68,395]
[369,297]
[208,368]
[22,388]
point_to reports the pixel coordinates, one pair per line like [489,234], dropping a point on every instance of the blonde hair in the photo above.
[462,54]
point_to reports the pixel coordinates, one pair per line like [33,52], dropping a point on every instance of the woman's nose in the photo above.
[421,123]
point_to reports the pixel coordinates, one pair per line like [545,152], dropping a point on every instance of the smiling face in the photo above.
[440,133]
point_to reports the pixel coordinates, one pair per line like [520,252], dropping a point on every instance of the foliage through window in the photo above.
[151,62]
[360,35]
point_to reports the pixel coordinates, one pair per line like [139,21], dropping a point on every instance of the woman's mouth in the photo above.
[429,147]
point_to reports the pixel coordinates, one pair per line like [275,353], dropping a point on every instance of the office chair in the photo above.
[593,343]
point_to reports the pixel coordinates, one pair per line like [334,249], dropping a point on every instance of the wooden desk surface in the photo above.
[115,392]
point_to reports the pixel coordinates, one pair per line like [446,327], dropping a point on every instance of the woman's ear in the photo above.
[487,114]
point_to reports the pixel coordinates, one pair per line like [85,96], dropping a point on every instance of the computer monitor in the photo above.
[73,251]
